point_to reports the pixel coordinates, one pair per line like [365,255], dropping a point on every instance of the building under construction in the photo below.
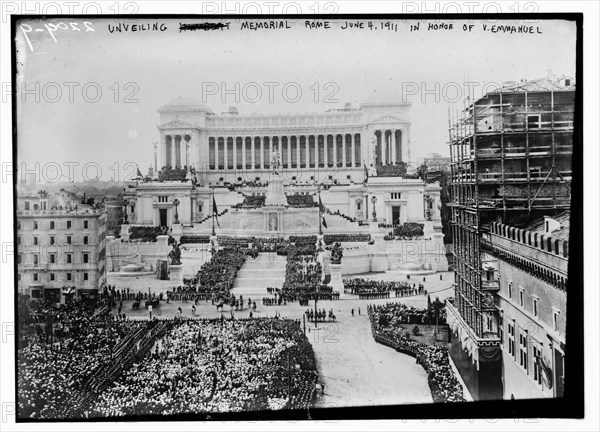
[511,163]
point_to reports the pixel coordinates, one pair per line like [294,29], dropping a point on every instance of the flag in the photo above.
[324,223]
[216,211]
[321,206]
[366,174]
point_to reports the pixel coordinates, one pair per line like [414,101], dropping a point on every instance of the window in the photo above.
[68,224]
[69,258]
[533,121]
[523,350]
[18,225]
[35,241]
[69,239]
[537,371]
[200,208]
[35,277]
[85,224]
[26,205]
[85,276]
[52,258]
[51,240]
[85,239]
[35,225]
[535,306]
[510,290]
[555,314]
[51,276]
[68,276]
[521,297]
[36,259]
[132,209]
[358,205]
[19,259]
[511,339]
[51,224]
[501,329]
[86,258]
[18,241]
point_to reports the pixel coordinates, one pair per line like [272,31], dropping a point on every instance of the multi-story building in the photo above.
[530,265]
[511,153]
[60,246]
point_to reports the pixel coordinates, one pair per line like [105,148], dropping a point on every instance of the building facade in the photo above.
[511,153]
[531,267]
[232,146]
[353,155]
[60,246]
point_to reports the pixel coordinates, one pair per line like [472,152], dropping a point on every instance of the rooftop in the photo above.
[551,82]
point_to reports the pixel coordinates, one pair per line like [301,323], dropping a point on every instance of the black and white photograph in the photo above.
[310,214]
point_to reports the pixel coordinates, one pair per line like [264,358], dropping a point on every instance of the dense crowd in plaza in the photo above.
[442,381]
[218,366]
[74,361]
[216,277]
[68,346]
[373,289]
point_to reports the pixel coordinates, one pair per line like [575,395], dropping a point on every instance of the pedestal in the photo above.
[163,242]
[439,262]
[176,274]
[177,232]
[125,232]
[336,278]
[275,195]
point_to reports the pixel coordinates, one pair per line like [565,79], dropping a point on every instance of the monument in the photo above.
[275,195]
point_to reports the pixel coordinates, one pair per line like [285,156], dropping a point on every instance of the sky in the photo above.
[91,97]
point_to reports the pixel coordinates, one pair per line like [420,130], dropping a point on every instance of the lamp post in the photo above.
[176,203]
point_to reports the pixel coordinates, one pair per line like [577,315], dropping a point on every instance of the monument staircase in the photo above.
[257,274]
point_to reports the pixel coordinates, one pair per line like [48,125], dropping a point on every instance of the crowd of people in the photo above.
[205,366]
[216,277]
[372,289]
[395,314]
[443,383]
[68,346]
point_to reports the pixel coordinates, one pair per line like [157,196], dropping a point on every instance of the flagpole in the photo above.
[320,215]
[213,212]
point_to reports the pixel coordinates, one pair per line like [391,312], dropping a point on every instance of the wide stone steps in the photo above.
[267,270]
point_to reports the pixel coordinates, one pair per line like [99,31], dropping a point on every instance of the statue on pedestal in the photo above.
[175,255]
[275,160]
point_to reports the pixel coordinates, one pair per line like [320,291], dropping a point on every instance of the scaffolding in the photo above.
[511,153]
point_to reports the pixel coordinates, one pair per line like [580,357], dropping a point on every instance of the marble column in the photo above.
[394,156]
[353,149]
[225,152]
[335,159]
[252,149]
[262,152]
[173,160]
[298,151]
